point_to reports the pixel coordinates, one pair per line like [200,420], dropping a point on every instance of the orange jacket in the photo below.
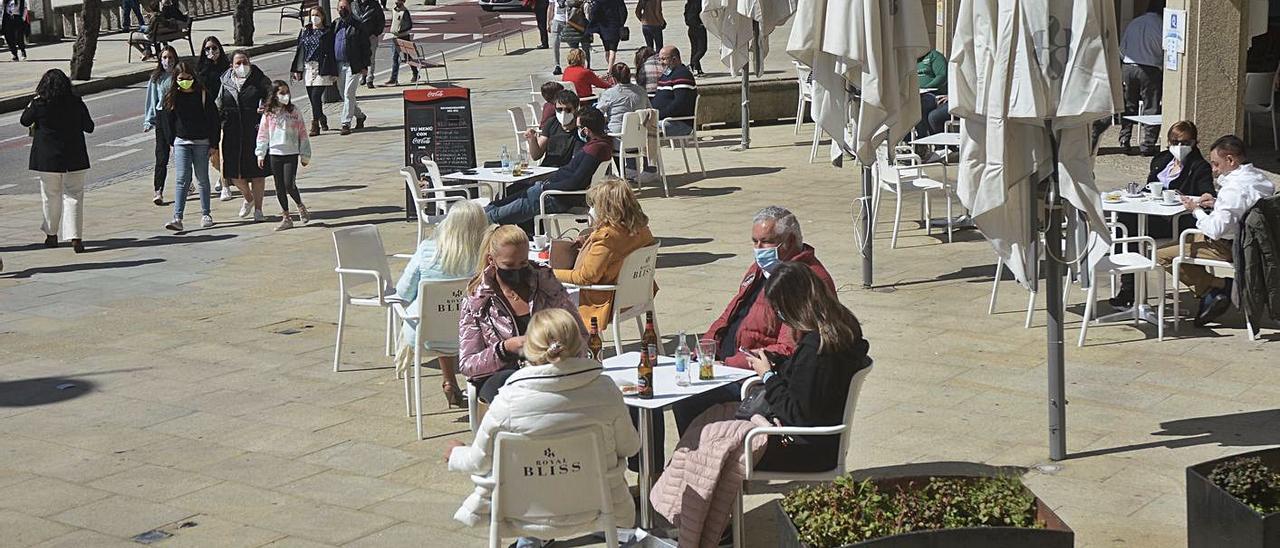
[599,262]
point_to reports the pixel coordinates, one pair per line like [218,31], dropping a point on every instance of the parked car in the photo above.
[504,5]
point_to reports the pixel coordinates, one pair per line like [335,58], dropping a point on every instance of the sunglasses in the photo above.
[212,48]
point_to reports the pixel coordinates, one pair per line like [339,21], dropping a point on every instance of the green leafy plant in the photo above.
[1250,481]
[848,511]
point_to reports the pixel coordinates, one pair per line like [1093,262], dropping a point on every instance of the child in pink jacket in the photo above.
[282,136]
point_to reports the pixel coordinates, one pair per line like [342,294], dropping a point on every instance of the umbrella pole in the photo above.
[746,108]
[1054,274]
[868,190]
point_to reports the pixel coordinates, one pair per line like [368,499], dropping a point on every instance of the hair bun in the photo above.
[555,350]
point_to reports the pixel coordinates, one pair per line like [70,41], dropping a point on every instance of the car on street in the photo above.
[504,5]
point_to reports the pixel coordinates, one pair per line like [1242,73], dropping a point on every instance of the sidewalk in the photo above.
[200,364]
[111,68]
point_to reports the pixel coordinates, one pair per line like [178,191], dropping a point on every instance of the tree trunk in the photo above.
[87,43]
[243,23]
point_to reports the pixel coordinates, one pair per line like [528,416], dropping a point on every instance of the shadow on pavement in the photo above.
[76,267]
[691,258]
[42,391]
[327,214]
[675,241]
[1250,429]
[163,239]
[972,274]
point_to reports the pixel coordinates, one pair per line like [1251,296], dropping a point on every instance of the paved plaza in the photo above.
[184,383]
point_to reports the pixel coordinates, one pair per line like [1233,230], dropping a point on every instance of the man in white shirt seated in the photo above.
[1241,186]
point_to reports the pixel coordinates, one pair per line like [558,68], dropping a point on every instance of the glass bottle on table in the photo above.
[595,346]
[682,362]
[650,336]
[644,371]
[505,158]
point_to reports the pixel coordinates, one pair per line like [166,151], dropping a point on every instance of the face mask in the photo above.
[317,22]
[284,99]
[242,71]
[565,118]
[166,64]
[185,84]
[1180,151]
[515,279]
[582,135]
[212,55]
[767,258]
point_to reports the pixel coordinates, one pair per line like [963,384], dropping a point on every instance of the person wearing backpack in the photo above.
[401,25]
[282,145]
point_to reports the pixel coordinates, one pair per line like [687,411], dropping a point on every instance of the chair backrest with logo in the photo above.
[440,302]
[547,476]
[635,280]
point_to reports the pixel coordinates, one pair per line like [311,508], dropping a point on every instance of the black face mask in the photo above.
[516,279]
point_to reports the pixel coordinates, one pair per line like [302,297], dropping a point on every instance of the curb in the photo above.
[19,102]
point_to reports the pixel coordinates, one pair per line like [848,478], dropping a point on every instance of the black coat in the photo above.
[210,72]
[607,18]
[693,13]
[357,41]
[1196,177]
[240,118]
[8,22]
[58,144]
[810,389]
[369,13]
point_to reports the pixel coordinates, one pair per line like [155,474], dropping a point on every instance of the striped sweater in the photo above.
[676,94]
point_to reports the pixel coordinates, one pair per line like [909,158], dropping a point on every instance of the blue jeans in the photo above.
[186,157]
[676,128]
[517,208]
[395,65]
[131,6]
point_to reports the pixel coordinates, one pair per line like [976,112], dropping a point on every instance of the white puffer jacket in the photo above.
[551,399]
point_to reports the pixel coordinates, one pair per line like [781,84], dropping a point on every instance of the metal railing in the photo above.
[70,18]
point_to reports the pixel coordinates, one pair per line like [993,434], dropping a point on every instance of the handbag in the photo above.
[563,255]
[578,19]
[754,404]
[624,34]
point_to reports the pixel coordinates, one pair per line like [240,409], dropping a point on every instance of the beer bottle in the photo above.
[644,373]
[595,345]
[650,336]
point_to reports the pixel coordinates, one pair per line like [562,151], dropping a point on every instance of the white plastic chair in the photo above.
[422,203]
[520,123]
[1183,240]
[361,260]
[1259,99]
[758,477]
[519,495]
[632,294]
[535,86]
[805,93]
[1133,259]
[902,179]
[441,191]
[634,144]
[441,299]
[543,220]
[684,140]
[534,112]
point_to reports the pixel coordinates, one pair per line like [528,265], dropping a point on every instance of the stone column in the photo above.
[942,19]
[1208,87]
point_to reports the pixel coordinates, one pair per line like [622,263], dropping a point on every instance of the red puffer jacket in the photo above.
[760,329]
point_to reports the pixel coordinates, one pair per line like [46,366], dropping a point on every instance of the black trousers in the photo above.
[315,96]
[284,171]
[697,45]
[540,16]
[164,143]
[13,37]
[1141,83]
[487,387]
[652,36]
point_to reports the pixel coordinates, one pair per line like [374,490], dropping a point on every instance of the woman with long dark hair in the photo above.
[13,22]
[315,65]
[210,67]
[59,120]
[243,98]
[153,117]
[194,119]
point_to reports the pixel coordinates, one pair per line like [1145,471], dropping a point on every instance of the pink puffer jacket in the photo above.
[486,320]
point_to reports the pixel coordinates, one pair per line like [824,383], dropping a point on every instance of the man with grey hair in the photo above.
[749,322]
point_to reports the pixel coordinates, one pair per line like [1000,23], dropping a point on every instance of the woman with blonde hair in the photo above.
[582,78]
[618,228]
[558,391]
[452,252]
[506,290]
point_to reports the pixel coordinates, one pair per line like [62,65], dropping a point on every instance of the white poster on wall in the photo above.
[1175,22]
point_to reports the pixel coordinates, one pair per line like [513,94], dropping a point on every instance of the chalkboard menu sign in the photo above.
[437,126]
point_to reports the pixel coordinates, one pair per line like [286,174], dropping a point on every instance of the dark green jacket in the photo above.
[932,69]
[1257,260]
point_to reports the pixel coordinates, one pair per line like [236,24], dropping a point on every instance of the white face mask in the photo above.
[242,71]
[284,99]
[565,118]
[317,22]
[1180,151]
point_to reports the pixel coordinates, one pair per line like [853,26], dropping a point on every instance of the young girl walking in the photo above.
[193,121]
[283,142]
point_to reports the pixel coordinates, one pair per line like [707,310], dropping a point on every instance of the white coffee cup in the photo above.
[540,242]
[1172,197]
[1156,188]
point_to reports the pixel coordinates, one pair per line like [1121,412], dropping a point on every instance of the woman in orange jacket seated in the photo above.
[619,228]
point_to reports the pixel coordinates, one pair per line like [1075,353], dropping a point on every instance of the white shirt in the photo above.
[1142,43]
[1241,188]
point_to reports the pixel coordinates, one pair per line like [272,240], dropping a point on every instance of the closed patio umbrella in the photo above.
[744,27]
[862,54]
[1028,77]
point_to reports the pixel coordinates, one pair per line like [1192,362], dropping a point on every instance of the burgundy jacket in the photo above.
[760,329]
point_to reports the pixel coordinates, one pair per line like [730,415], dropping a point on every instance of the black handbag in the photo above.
[625,34]
[754,404]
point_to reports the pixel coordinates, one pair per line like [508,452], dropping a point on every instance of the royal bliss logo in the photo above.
[551,465]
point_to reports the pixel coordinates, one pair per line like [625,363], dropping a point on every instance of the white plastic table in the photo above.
[1145,119]
[1143,207]
[496,178]
[622,369]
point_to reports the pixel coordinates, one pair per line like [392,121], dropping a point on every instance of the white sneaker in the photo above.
[304,215]
[206,221]
[174,225]
[226,194]
[285,224]
[158,198]
[245,209]
[257,216]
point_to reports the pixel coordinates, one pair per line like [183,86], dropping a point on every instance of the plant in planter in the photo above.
[987,511]
[1235,501]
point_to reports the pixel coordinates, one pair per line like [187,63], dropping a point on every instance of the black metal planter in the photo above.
[1215,519]
[1056,534]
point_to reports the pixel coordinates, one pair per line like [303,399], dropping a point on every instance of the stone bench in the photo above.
[772,100]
